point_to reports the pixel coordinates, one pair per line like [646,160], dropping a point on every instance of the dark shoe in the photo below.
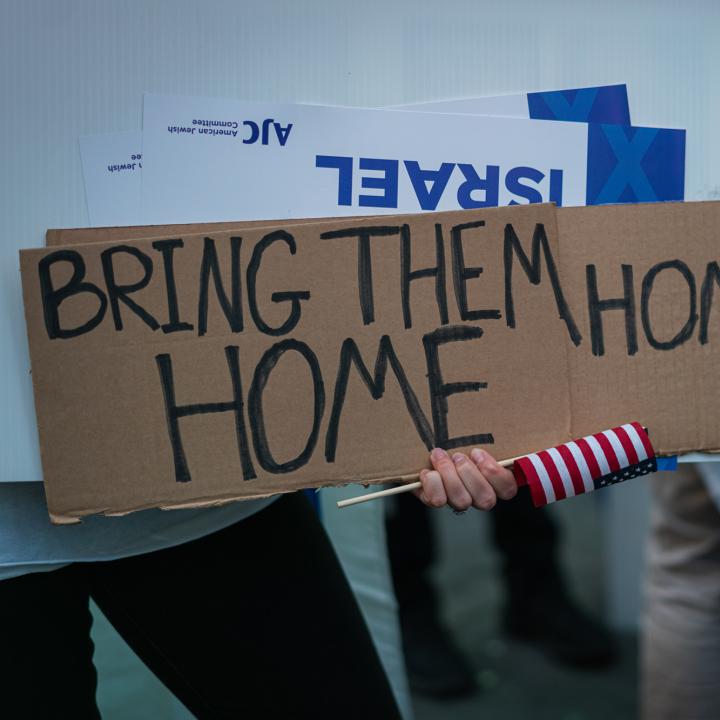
[561,629]
[435,666]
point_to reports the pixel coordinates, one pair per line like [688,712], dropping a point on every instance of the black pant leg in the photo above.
[46,653]
[525,536]
[254,621]
[411,549]
[527,539]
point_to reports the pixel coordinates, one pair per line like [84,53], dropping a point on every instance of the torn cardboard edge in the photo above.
[55,237]
[220,501]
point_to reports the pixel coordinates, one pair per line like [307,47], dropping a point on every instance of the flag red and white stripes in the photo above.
[584,465]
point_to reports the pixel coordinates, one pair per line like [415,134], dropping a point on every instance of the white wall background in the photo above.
[72,67]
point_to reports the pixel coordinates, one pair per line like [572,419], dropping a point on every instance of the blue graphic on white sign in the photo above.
[627,164]
[606,104]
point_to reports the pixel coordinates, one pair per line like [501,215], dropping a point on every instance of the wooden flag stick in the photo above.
[407,487]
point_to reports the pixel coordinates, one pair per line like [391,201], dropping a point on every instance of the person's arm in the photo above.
[463,481]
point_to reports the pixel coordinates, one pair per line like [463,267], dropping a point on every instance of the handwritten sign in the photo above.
[192,370]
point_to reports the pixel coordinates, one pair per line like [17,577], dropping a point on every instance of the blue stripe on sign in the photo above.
[628,164]
[667,463]
[607,104]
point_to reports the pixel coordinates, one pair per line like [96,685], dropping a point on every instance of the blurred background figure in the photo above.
[537,606]
[681,639]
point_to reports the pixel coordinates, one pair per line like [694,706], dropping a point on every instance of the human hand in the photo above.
[461,481]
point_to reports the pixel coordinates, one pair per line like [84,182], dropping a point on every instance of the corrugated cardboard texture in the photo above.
[75,236]
[102,414]
[71,236]
[626,331]
[666,375]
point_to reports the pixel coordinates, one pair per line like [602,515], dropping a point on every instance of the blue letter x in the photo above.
[628,171]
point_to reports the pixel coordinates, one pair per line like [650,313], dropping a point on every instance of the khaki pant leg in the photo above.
[680,653]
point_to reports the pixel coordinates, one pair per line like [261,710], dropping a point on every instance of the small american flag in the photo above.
[584,465]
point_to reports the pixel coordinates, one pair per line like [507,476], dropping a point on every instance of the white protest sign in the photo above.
[112,166]
[209,159]
[112,162]
[597,104]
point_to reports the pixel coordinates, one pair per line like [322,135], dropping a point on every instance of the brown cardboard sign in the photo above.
[199,369]
[75,236]
[647,282]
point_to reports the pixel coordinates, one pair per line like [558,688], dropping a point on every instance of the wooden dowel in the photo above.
[407,487]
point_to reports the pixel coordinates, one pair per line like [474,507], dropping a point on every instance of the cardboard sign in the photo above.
[78,236]
[196,370]
[644,280]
